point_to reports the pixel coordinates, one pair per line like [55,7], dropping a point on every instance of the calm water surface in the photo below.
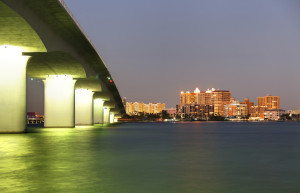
[220,157]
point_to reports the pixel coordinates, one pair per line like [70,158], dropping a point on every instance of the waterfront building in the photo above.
[187,98]
[213,97]
[197,93]
[146,108]
[185,109]
[129,108]
[139,107]
[204,97]
[235,110]
[195,110]
[207,97]
[219,99]
[270,102]
[267,103]
[249,105]
[257,112]
[156,108]
[204,111]
[171,111]
[273,114]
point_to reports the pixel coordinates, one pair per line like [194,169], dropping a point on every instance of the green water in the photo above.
[154,158]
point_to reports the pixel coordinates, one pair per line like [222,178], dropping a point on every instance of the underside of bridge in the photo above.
[41,39]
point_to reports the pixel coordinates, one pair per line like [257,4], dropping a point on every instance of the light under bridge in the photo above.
[42,40]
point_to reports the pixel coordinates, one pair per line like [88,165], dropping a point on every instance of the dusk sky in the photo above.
[156,48]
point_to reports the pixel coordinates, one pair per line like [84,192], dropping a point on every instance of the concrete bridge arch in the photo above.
[50,45]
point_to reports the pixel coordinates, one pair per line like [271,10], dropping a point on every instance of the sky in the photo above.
[155,49]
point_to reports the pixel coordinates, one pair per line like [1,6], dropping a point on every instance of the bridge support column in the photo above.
[59,101]
[116,120]
[98,111]
[83,107]
[106,112]
[13,90]
[112,118]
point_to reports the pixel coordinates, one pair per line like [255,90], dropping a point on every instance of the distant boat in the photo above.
[169,120]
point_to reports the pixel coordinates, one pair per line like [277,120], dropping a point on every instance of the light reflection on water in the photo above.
[154,158]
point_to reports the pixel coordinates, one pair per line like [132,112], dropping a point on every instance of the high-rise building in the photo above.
[249,104]
[182,98]
[261,101]
[187,98]
[219,99]
[158,107]
[146,108]
[138,107]
[195,110]
[204,97]
[267,103]
[270,102]
[129,108]
[197,93]
[213,97]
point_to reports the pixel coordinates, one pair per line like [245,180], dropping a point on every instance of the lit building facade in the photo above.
[195,110]
[187,98]
[213,97]
[267,103]
[270,102]
[219,99]
[257,113]
[273,114]
[129,107]
[140,107]
[156,108]
[235,110]
[249,105]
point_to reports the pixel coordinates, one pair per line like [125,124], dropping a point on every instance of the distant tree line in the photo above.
[149,116]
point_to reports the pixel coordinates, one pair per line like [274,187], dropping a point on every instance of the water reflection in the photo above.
[148,158]
[52,160]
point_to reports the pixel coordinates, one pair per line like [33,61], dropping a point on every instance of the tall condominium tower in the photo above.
[187,98]
[217,98]
[269,102]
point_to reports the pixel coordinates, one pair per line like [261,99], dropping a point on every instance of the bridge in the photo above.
[41,39]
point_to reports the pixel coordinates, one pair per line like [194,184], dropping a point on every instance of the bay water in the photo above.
[188,157]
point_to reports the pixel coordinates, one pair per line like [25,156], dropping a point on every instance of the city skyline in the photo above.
[202,104]
[156,49]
